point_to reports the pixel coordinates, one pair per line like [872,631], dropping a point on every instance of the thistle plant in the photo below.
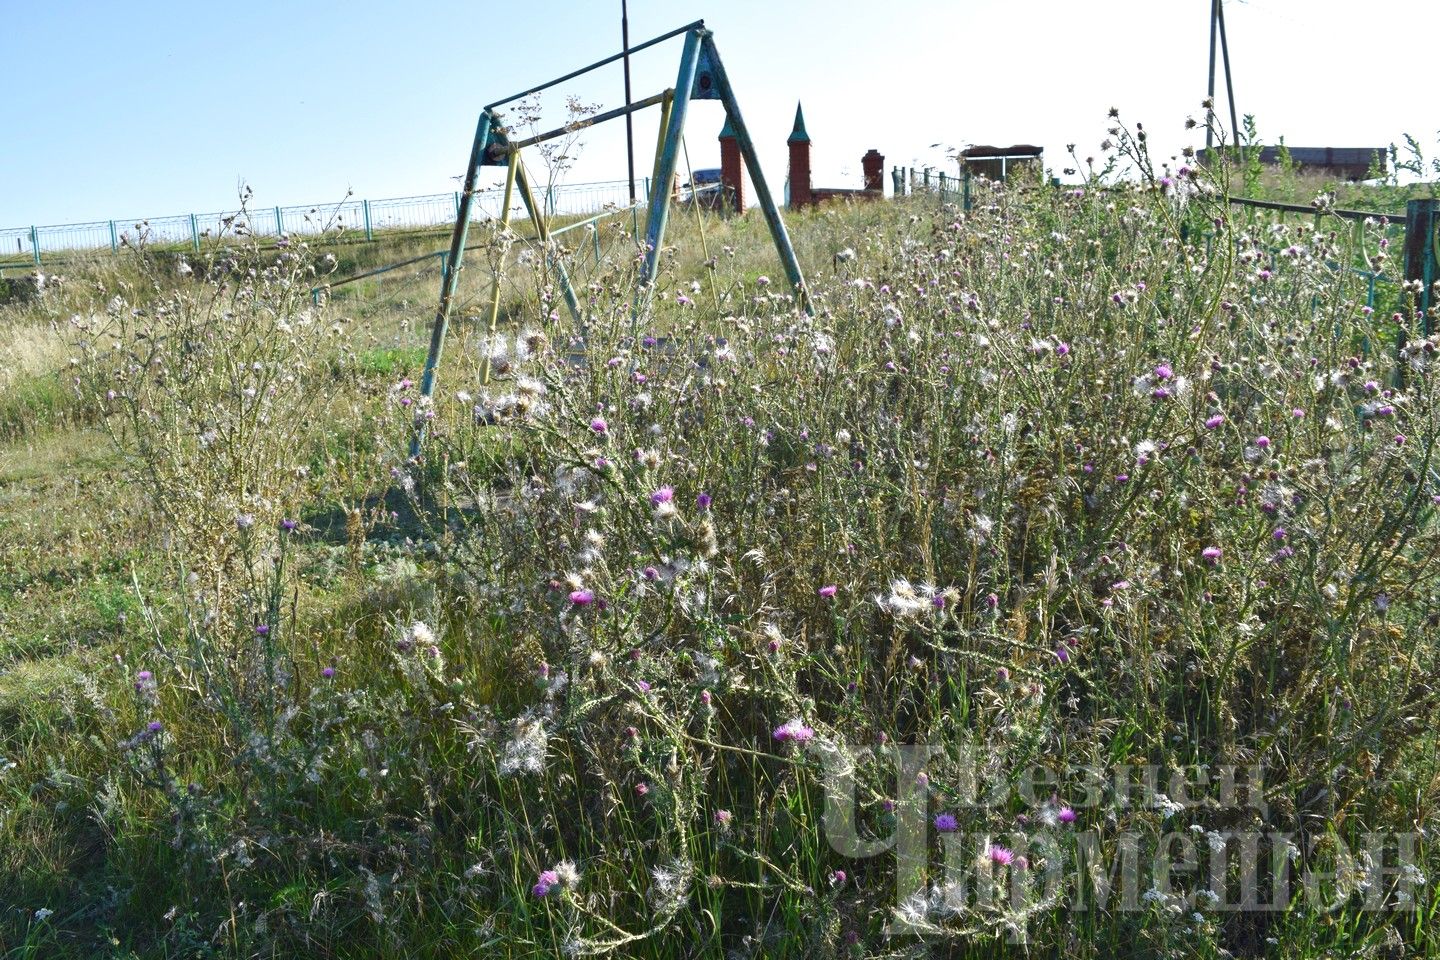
[207,372]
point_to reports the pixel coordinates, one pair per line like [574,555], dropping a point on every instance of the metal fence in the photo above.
[27,247]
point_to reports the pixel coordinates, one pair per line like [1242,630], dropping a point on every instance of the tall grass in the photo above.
[1053,484]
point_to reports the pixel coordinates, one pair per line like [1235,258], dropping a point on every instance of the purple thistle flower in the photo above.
[328,673]
[1262,441]
[828,591]
[643,686]
[703,500]
[1211,555]
[663,495]
[289,525]
[599,425]
[1066,815]
[547,881]
[650,573]
[794,731]
[1212,422]
[1062,654]
[1001,856]
[1061,349]
[262,629]
[946,823]
[1164,372]
[582,598]
[155,726]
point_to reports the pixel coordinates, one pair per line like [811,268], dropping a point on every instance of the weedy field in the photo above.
[1065,586]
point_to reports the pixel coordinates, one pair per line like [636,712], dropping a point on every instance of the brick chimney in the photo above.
[732,168]
[800,195]
[874,166]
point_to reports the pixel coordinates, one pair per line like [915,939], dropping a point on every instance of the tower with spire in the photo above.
[799,143]
[732,169]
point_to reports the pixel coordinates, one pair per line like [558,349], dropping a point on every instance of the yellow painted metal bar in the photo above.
[665,107]
[510,171]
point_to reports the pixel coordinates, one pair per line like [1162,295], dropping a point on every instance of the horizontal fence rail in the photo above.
[25,248]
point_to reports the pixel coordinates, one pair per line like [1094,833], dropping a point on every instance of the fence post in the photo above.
[114,239]
[965,189]
[1421,219]
[457,206]
[279,222]
[942,188]
[35,244]
[369,234]
[926,175]
[194,233]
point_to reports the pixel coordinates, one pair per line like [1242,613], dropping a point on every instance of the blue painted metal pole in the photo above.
[194,234]
[1422,217]
[279,222]
[659,213]
[369,233]
[757,177]
[35,244]
[114,238]
[451,272]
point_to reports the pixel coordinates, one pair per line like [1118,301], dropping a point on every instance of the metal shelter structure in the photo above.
[701,77]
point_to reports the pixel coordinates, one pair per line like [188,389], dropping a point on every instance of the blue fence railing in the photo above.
[27,247]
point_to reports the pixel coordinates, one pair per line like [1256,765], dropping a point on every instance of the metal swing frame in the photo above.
[701,77]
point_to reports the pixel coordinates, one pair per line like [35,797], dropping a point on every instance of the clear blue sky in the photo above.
[144,108]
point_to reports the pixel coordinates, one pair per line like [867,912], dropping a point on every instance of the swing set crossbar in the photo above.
[697,25]
[581,124]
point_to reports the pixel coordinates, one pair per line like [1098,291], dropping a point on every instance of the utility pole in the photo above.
[1229,84]
[1217,30]
[1210,87]
[629,122]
